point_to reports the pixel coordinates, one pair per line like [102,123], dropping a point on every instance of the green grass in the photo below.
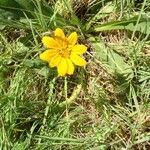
[105,105]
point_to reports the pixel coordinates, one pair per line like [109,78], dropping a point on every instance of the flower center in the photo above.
[65,50]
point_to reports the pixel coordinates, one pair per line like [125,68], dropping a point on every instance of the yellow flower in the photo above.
[63,52]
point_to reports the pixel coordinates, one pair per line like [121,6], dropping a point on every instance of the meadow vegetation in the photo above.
[103,106]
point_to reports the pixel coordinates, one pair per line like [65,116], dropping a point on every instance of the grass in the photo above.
[105,105]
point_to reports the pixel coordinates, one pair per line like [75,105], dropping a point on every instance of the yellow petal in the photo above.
[79,49]
[72,39]
[62,67]
[49,42]
[77,60]
[59,33]
[70,67]
[55,61]
[47,55]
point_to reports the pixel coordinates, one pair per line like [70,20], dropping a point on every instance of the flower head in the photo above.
[63,52]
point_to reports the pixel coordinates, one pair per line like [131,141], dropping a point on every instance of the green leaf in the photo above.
[28,5]
[5,15]
[9,3]
[114,25]
[11,6]
[143,26]
[35,63]
[43,71]
[113,62]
